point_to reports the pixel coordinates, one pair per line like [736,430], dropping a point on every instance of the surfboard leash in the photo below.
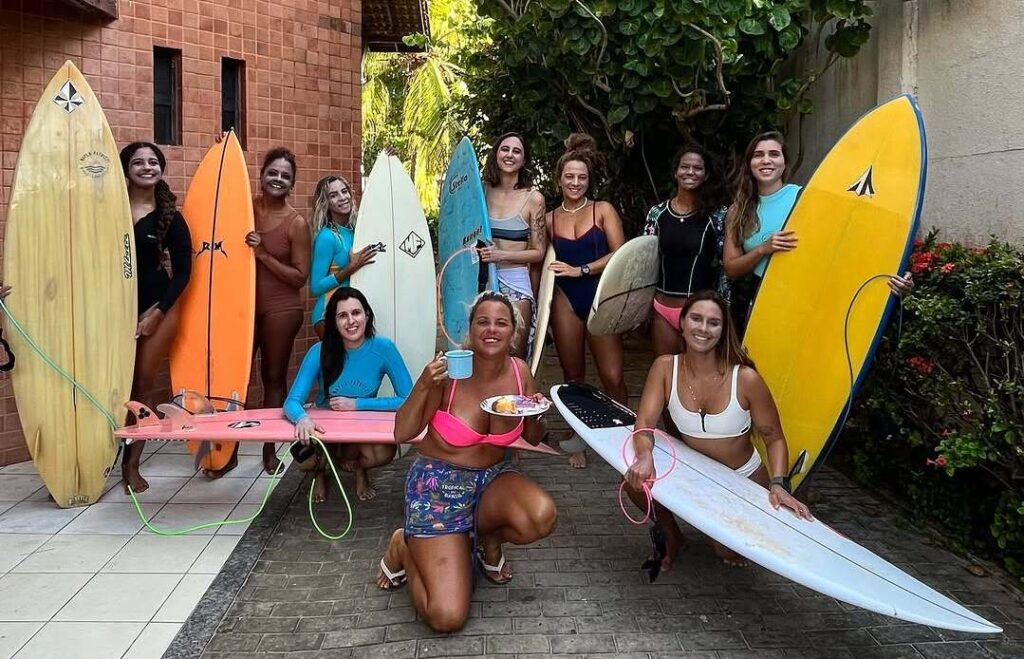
[647,485]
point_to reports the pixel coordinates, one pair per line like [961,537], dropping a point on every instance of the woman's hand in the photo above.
[492,254]
[255,240]
[565,270]
[362,258]
[780,241]
[149,321]
[641,471]
[900,286]
[305,428]
[4,291]
[342,404]
[434,374]
[778,496]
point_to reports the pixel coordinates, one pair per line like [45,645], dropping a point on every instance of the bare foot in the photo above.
[319,486]
[131,477]
[578,460]
[394,562]
[271,464]
[492,563]
[729,557]
[364,488]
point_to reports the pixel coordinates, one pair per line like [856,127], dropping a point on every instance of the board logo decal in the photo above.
[212,247]
[127,258]
[94,164]
[244,425]
[457,183]
[863,187]
[412,244]
[68,98]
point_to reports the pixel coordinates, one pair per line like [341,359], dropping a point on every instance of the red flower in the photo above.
[948,268]
[922,365]
[939,462]
[918,242]
[922,261]
[939,246]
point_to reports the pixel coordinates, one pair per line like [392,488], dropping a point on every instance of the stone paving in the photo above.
[578,593]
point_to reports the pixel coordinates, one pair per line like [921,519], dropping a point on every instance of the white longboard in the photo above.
[400,283]
[735,511]
[625,292]
[544,294]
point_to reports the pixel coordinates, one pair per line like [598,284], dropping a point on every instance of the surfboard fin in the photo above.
[798,466]
[143,415]
[653,565]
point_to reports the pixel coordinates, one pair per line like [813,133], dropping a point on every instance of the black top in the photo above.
[156,287]
[689,246]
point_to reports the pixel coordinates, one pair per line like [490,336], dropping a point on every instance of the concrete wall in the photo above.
[302,91]
[963,59]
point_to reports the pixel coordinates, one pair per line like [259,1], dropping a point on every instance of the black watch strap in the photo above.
[782,481]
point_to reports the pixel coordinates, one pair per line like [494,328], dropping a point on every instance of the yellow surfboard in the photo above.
[70,256]
[855,220]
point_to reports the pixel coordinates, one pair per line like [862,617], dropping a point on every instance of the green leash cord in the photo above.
[276,476]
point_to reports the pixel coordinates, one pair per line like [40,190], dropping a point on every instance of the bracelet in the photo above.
[781,481]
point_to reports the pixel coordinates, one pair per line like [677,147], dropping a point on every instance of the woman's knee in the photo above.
[377,455]
[446,616]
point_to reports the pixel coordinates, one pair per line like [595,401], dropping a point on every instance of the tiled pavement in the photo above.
[579,592]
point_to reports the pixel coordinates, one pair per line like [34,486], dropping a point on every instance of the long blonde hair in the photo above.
[744,221]
[321,215]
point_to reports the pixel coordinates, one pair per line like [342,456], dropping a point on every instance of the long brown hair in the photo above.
[492,175]
[728,351]
[743,221]
[166,201]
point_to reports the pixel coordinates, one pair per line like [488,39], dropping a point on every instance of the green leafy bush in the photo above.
[941,416]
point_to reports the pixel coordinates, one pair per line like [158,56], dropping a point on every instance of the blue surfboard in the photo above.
[462,223]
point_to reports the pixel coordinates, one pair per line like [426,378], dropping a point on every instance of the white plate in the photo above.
[525,406]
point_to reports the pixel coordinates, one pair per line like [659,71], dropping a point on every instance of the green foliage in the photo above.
[642,76]
[942,413]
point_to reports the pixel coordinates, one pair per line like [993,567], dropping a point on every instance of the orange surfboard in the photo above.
[212,353]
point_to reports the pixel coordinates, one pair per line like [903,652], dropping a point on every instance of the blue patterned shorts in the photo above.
[441,498]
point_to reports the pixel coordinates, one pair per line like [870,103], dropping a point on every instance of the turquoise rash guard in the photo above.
[330,247]
[365,368]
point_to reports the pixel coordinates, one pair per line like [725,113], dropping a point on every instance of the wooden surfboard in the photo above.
[212,353]
[70,256]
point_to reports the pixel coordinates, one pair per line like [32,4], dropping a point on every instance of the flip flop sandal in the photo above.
[395,579]
[495,570]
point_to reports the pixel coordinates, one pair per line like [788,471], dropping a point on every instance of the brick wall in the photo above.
[302,92]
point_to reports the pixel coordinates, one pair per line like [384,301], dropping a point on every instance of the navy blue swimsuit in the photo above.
[587,248]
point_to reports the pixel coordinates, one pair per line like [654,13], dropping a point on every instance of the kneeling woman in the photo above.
[716,399]
[354,361]
[463,496]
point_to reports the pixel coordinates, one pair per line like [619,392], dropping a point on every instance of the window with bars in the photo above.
[166,96]
[232,97]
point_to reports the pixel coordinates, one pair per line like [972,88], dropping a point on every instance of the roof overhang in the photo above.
[103,8]
[385,22]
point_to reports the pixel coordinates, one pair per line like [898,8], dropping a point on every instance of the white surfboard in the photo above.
[625,291]
[545,292]
[735,511]
[400,283]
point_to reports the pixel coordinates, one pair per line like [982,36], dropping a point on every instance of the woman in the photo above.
[754,223]
[347,366]
[159,228]
[281,244]
[463,496]
[516,214]
[716,399]
[584,234]
[333,227]
[690,228]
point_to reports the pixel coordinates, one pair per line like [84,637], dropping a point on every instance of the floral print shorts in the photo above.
[441,498]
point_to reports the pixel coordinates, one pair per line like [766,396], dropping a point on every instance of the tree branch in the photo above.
[604,32]
[719,56]
[508,9]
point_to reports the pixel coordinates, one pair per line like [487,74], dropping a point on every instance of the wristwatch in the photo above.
[585,269]
[782,481]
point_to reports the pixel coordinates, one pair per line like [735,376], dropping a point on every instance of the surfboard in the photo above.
[462,222]
[735,511]
[270,425]
[212,352]
[625,292]
[70,256]
[400,283]
[855,219]
[545,292]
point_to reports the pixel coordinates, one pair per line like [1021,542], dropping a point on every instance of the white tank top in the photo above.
[733,421]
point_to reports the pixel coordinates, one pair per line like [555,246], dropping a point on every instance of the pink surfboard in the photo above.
[269,425]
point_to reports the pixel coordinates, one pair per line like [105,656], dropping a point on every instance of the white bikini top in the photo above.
[733,421]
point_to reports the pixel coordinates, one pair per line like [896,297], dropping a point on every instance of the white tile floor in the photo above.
[92,582]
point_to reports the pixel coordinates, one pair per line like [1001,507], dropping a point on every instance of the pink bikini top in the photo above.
[455,432]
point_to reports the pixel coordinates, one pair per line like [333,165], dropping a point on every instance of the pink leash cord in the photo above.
[440,276]
[647,485]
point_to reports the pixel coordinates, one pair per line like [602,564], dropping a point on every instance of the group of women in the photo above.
[465,496]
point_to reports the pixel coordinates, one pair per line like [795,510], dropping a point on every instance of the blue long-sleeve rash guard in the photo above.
[365,368]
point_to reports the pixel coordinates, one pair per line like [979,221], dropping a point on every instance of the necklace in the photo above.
[693,394]
[581,206]
[680,215]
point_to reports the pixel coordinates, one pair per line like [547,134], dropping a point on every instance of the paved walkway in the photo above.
[579,592]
